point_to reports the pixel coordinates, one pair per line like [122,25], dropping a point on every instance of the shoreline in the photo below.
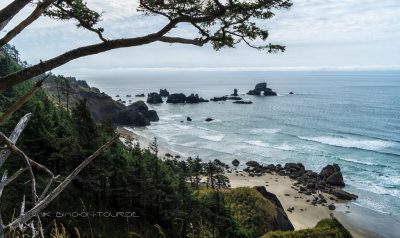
[304,215]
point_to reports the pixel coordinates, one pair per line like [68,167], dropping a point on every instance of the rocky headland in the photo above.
[101,106]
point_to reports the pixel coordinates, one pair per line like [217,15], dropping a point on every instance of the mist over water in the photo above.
[348,118]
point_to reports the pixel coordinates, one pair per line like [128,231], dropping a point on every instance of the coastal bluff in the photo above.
[68,91]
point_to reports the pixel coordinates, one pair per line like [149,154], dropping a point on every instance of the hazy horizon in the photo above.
[344,34]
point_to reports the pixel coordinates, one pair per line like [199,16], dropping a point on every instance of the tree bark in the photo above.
[7,13]
[41,7]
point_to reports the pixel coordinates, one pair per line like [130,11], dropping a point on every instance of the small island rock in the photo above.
[154,98]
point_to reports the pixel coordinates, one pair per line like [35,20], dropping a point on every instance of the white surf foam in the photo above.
[265,131]
[350,142]
[257,143]
[215,138]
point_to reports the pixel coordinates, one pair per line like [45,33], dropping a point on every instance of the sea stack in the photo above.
[154,98]
[262,88]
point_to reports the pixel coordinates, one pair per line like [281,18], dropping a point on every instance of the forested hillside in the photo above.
[167,197]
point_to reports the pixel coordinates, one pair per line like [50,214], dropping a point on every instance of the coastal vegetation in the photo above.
[168,198]
[57,128]
[328,228]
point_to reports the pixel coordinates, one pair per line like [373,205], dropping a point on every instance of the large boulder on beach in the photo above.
[136,114]
[252,163]
[341,194]
[332,175]
[235,162]
[154,98]
[336,179]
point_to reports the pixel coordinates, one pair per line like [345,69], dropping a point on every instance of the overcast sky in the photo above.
[319,34]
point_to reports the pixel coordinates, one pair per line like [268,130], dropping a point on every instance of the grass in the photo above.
[327,228]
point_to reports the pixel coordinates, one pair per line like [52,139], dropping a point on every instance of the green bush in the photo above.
[327,228]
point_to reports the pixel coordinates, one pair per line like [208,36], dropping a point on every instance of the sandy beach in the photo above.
[303,214]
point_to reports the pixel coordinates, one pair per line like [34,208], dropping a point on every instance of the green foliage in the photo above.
[74,9]
[254,214]
[327,228]
[222,23]
[167,195]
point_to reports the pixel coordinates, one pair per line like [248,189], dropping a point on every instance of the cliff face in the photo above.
[68,91]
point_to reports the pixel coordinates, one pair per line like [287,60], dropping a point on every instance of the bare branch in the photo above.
[28,164]
[20,102]
[40,8]
[168,39]
[27,73]
[12,9]
[6,181]
[14,137]
[20,153]
[53,194]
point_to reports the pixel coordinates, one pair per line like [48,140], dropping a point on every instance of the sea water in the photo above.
[348,118]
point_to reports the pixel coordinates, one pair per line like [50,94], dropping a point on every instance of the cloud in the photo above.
[319,34]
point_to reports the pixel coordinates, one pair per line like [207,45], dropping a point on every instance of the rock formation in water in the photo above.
[176,98]
[137,114]
[235,93]
[164,93]
[181,98]
[261,89]
[154,98]
[243,102]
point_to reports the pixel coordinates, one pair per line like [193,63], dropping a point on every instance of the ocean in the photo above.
[348,118]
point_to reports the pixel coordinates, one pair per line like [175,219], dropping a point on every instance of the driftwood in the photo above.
[30,219]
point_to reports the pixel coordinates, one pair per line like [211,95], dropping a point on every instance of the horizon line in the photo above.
[251,69]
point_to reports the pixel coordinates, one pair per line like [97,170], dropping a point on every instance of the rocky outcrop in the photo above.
[140,95]
[102,106]
[217,99]
[154,98]
[252,163]
[181,98]
[188,119]
[282,221]
[164,93]
[307,181]
[209,119]
[332,175]
[243,102]
[261,89]
[224,98]
[194,98]
[341,194]
[176,98]
[235,162]
[235,93]
[137,114]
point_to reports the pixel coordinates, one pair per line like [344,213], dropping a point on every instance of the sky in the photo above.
[318,34]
